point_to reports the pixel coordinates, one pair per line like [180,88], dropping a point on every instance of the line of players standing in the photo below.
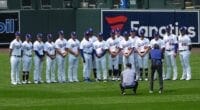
[132,48]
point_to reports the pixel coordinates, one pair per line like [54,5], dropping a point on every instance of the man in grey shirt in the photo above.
[128,80]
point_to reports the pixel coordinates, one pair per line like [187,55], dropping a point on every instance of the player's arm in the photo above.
[10,52]
[81,51]
[71,52]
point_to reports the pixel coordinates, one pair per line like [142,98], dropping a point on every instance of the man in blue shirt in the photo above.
[156,56]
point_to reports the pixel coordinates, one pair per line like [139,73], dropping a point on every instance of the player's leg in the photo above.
[40,71]
[48,69]
[18,61]
[140,62]
[120,60]
[70,68]
[29,64]
[173,61]
[137,70]
[116,67]
[145,65]
[153,69]
[36,69]
[187,64]
[94,67]
[53,66]
[104,70]
[110,71]
[98,66]
[159,71]
[89,67]
[75,68]
[168,64]
[63,75]
[24,69]
[125,61]
[183,77]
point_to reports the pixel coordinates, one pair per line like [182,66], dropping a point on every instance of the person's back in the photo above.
[128,77]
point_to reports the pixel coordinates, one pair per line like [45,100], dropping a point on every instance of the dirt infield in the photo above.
[6,50]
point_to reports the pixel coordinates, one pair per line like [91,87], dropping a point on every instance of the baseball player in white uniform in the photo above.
[50,52]
[86,48]
[15,58]
[119,37]
[126,47]
[184,47]
[61,53]
[113,50]
[38,47]
[93,38]
[171,46]
[100,49]
[133,37]
[157,40]
[73,49]
[143,46]
[27,48]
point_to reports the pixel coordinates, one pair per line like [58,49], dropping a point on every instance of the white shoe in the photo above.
[23,82]
[48,82]
[188,79]
[29,82]
[174,79]
[182,78]
[36,82]
[151,92]
[140,79]
[41,81]
[118,79]
[160,91]
[146,79]
[13,83]
[76,80]
[19,83]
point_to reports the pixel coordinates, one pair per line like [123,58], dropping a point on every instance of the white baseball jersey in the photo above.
[169,41]
[184,42]
[38,46]
[50,48]
[16,47]
[93,38]
[87,46]
[141,44]
[27,48]
[61,44]
[74,45]
[126,45]
[159,42]
[113,44]
[99,46]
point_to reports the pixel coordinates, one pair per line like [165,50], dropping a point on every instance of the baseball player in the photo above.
[170,41]
[15,58]
[61,53]
[157,40]
[27,48]
[73,49]
[113,50]
[184,47]
[119,38]
[100,49]
[126,47]
[143,46]
[92,39]
[86,49]
[133,37]
[38,47]
[50,51]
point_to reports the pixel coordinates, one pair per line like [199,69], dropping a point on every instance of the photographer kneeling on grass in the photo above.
[128,80]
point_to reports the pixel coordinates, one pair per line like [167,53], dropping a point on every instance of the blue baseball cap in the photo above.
[101,34]
[17,33]
[125,34]
[61,32]
[183,29]
[73,33]
[133,30]
[39,35]
[87,33]
[168,27]
[49,36]
[90,30]
[112,32]
[142,32]
[28,36]
[156,33]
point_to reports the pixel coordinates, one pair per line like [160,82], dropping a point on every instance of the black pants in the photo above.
[156,66]
[134,87]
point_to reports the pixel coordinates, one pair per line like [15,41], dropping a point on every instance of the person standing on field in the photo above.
[73,49]
[15,54]
[50,51]
[38,47]
[61,53]
[184,48]
[27,48]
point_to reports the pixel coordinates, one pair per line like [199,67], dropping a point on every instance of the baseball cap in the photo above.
[125,34]
[28,36]
[49,36]
[156,33]
[100,34]
[117,30]
[17,33]
[87,33]
[112,32]
[183,29]
[90,30]
[39,35]
[142,32]
[73,33]
[61,32]
[133,30]
[168,27]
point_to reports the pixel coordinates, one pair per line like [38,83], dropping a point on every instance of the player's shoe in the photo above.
[123,93]
[19,83]
[41,81]
[24,82]
[146,79]
[187,79]
[160,91]
[174,79]
[28,82]
[48,82]
[36,82]
[151,92]
[140,79]
[76,80]
[14,83]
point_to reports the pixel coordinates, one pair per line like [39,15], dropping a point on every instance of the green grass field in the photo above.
[178,95]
